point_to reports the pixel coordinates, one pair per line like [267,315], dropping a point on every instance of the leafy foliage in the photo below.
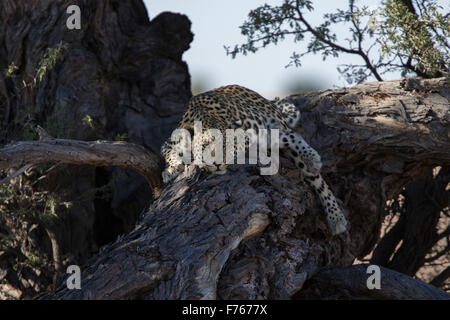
[48,61]
[394,37]
[10,71]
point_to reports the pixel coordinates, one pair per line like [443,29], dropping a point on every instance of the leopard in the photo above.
[237,107]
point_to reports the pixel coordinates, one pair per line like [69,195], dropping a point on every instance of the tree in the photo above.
[120,77]
[402,35]
[410,36]
[246,236]
[239,235]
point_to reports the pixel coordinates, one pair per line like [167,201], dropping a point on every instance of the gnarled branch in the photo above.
[246,236]
[96,153]
[351,283]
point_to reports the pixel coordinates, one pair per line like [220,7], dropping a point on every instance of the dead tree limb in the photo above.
[440,278]
[186,246]
[123,70]
[374,139]
[351,283]
[96,153]
[417,227]
[248,236]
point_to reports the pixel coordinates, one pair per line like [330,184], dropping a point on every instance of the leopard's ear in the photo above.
[289,111]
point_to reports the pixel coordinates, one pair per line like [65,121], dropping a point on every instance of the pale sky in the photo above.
[216,23]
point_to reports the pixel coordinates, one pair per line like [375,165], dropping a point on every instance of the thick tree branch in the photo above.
[125,73]
[376,138]
[246,236]
[96,153]
[440,278]
[351,283]
[423,201]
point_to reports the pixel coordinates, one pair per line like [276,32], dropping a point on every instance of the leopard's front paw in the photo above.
[169,174]
[166,176]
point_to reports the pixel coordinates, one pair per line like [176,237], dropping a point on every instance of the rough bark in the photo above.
[350,283]
[240,235]
[235,236]
[376,138]
[440,278]
[121,69]
[416,228]
[246,236]
[95,153]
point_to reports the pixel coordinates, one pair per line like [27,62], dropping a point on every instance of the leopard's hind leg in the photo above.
[308,160]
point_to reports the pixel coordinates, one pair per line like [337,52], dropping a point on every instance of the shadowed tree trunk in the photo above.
[121,76]
[416,229]
[375,136]
[246,236]
[236,236]
[350,283]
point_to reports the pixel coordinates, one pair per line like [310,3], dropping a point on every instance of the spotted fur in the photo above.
[233,107]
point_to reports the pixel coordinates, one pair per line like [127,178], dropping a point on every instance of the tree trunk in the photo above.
[240,235]
[98,153]
[350,283]
[121,77]
[416,229]
[376,138]
[246,236]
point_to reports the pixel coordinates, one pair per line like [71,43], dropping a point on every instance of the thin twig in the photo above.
[17,173]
